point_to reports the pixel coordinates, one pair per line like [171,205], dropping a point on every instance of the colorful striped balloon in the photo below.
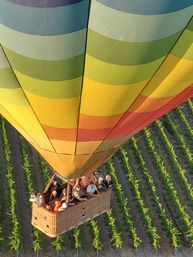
[78,78]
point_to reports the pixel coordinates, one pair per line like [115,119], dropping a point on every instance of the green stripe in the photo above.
[47,70]
[184,47]
[68,89]
[8,79]
[190,25]
[3,61]
[128,53]
[119,75]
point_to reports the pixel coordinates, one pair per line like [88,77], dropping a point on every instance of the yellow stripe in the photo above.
[13,96]
[105,100]
[61,113]
[8,117]
[87,147]
[67,147]
[159,88]
[24,116]
[99,146]
[173,77]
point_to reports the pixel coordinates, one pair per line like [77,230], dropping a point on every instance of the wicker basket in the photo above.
[54,224]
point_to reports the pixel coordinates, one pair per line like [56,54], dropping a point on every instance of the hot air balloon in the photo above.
[78,78]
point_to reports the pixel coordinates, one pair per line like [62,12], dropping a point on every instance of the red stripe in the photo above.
[134,122]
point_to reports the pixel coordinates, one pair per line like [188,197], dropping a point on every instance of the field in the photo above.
[152,200]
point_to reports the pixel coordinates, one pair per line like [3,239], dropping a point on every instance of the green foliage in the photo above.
[185,122]
[190,105]
[26,168]
[181,210]
[45,172]
[150,228]
[172,231]
[96,242]
[76,236]
[172,155]
[181,141]
[59,243]
[37,243]
[115,235]
[15,237]
[123,203]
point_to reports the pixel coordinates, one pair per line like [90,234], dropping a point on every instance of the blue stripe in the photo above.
[147,6]
[44,3]
[45,21]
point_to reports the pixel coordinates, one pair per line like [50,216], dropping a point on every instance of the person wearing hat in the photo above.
[77,192]
[101,185]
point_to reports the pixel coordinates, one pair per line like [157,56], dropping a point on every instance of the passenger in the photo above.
[93,178]
[84,182]
[57,205]
[33,198]
[72,182]
[40,200]
[96,174]
[77,193]
[101,185]
[64,195]
[53,196]
[108,181]
[92,189]
[64,199]
[56,186]
[63,207]
[71,201]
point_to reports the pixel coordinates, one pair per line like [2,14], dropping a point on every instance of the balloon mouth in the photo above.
[61,177]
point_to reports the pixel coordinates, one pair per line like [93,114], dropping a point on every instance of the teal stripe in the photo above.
[147,6]
[47,70]
[134,27]
[126,53]
[7,79]
[45,21]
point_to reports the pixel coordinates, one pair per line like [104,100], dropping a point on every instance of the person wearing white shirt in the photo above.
[92,189]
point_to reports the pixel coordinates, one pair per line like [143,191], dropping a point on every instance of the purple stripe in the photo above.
[44,3]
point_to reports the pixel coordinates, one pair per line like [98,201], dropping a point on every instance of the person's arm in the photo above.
[96,189]
[91,194]
[81,198]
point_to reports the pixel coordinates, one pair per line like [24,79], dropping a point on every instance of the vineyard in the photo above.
[152,200]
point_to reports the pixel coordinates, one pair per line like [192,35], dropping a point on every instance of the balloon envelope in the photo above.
[79,78]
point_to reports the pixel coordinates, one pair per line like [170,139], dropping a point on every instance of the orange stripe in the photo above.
[148,104]
[60,133]
[97,122]
[142,104]
[130,122]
